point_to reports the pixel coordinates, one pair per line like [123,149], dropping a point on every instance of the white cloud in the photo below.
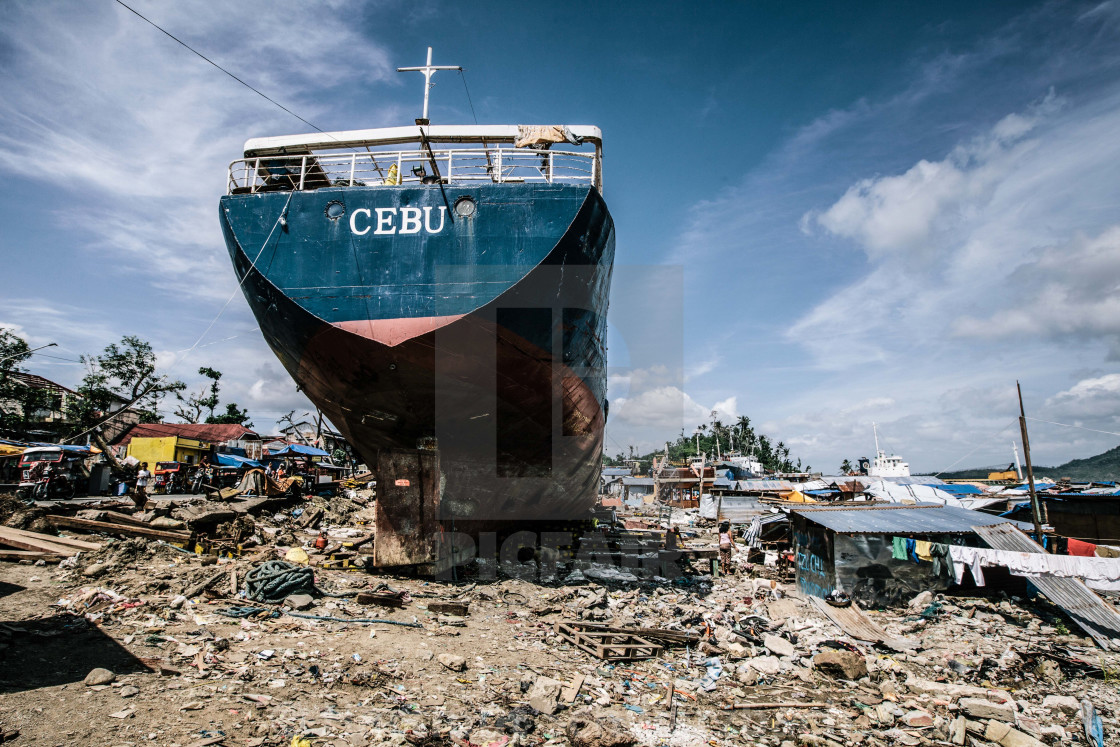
[1096,400]
[138,132]
[1069,292]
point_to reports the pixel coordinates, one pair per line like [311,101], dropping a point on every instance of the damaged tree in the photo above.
[122,378]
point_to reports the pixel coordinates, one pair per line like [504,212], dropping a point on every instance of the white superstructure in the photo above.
[886,466]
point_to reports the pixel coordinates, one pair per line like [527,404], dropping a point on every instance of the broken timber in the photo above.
[607,645]
[43,543]
[125,529]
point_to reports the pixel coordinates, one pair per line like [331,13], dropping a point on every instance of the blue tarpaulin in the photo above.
[958,489]
[232,460]
[299,450]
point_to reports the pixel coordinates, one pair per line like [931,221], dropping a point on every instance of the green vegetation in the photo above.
[1101,467]
[739,436]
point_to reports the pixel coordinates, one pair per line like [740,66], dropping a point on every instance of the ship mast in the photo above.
[427,69]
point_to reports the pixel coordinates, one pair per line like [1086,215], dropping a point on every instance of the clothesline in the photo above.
[951,561]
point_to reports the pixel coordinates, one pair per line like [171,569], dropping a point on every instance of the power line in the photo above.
[1067,425]
[966,456]
[227,72]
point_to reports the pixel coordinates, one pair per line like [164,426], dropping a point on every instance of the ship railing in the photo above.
[394,168]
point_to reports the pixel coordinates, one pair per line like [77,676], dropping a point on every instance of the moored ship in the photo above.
[440,287]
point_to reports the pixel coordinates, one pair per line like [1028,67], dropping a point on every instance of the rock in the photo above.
[452,662]
[745,674]
[978,708]
[778,646]
[1066,704]
[884,713]
[95,570]
[768,665]
[1053,733]
[1049,670]
[543,694]
[128,691]
[917,719]
[956,730]
[99,676]
[847,664]
[1003,734]
[586,729]
[920,686]
[921,601]
[299,601]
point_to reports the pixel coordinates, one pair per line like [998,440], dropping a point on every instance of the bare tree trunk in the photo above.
[99,442]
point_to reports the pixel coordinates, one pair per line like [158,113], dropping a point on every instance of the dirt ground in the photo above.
[185,675]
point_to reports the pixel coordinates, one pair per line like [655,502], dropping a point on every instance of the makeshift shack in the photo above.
[850,548]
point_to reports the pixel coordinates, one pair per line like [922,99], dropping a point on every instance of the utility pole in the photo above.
[1036,515]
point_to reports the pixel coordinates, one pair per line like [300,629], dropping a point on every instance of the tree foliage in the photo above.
[18,402]
[719,437]
[233,415]
[123,375]
[193,405]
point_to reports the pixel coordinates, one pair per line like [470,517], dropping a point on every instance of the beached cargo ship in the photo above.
[440,287]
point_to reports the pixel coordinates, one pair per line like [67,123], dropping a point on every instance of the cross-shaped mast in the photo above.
[427,69]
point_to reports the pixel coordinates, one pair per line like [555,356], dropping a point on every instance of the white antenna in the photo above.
[427,69]
[1018,469]
[875,430]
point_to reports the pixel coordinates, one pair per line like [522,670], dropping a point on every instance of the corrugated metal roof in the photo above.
[856,623]
[1095,616]
[921,518]
[213,432]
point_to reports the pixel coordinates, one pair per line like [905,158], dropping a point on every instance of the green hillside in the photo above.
[1101,467]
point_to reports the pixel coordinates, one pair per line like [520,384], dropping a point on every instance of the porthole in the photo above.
[335,210]
[465,207]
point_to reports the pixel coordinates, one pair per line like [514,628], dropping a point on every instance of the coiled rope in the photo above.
[274,580]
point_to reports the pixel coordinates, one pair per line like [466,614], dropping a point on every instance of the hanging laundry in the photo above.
[898,549]
[922,548]
[1081,549]
[911,550]
[942,560]
[966,557]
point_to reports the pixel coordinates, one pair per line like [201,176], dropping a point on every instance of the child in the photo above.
[725,547]
[140,496]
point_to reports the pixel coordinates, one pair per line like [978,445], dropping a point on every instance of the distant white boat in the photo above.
[886,466]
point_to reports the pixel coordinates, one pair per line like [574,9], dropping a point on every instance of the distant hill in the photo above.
[1101,467]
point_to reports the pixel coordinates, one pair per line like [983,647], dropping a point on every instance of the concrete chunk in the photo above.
[452,662]
[847,664]
[978,708]
[544,693]
[778,646]
[1066,704]
[1003,734]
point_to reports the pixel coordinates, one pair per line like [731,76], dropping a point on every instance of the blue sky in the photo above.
[827,214]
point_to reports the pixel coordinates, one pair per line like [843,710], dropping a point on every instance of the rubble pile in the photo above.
[141,641]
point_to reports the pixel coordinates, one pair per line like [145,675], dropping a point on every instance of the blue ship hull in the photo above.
[405,321]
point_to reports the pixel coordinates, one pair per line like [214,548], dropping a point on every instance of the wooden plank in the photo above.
[25,555]
[571,690]
[111,528]
[33,544]
[64,541]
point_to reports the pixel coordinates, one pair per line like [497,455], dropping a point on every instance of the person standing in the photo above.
[140,495]
[725,545]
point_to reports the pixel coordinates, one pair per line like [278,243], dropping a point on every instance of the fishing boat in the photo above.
[440,287]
